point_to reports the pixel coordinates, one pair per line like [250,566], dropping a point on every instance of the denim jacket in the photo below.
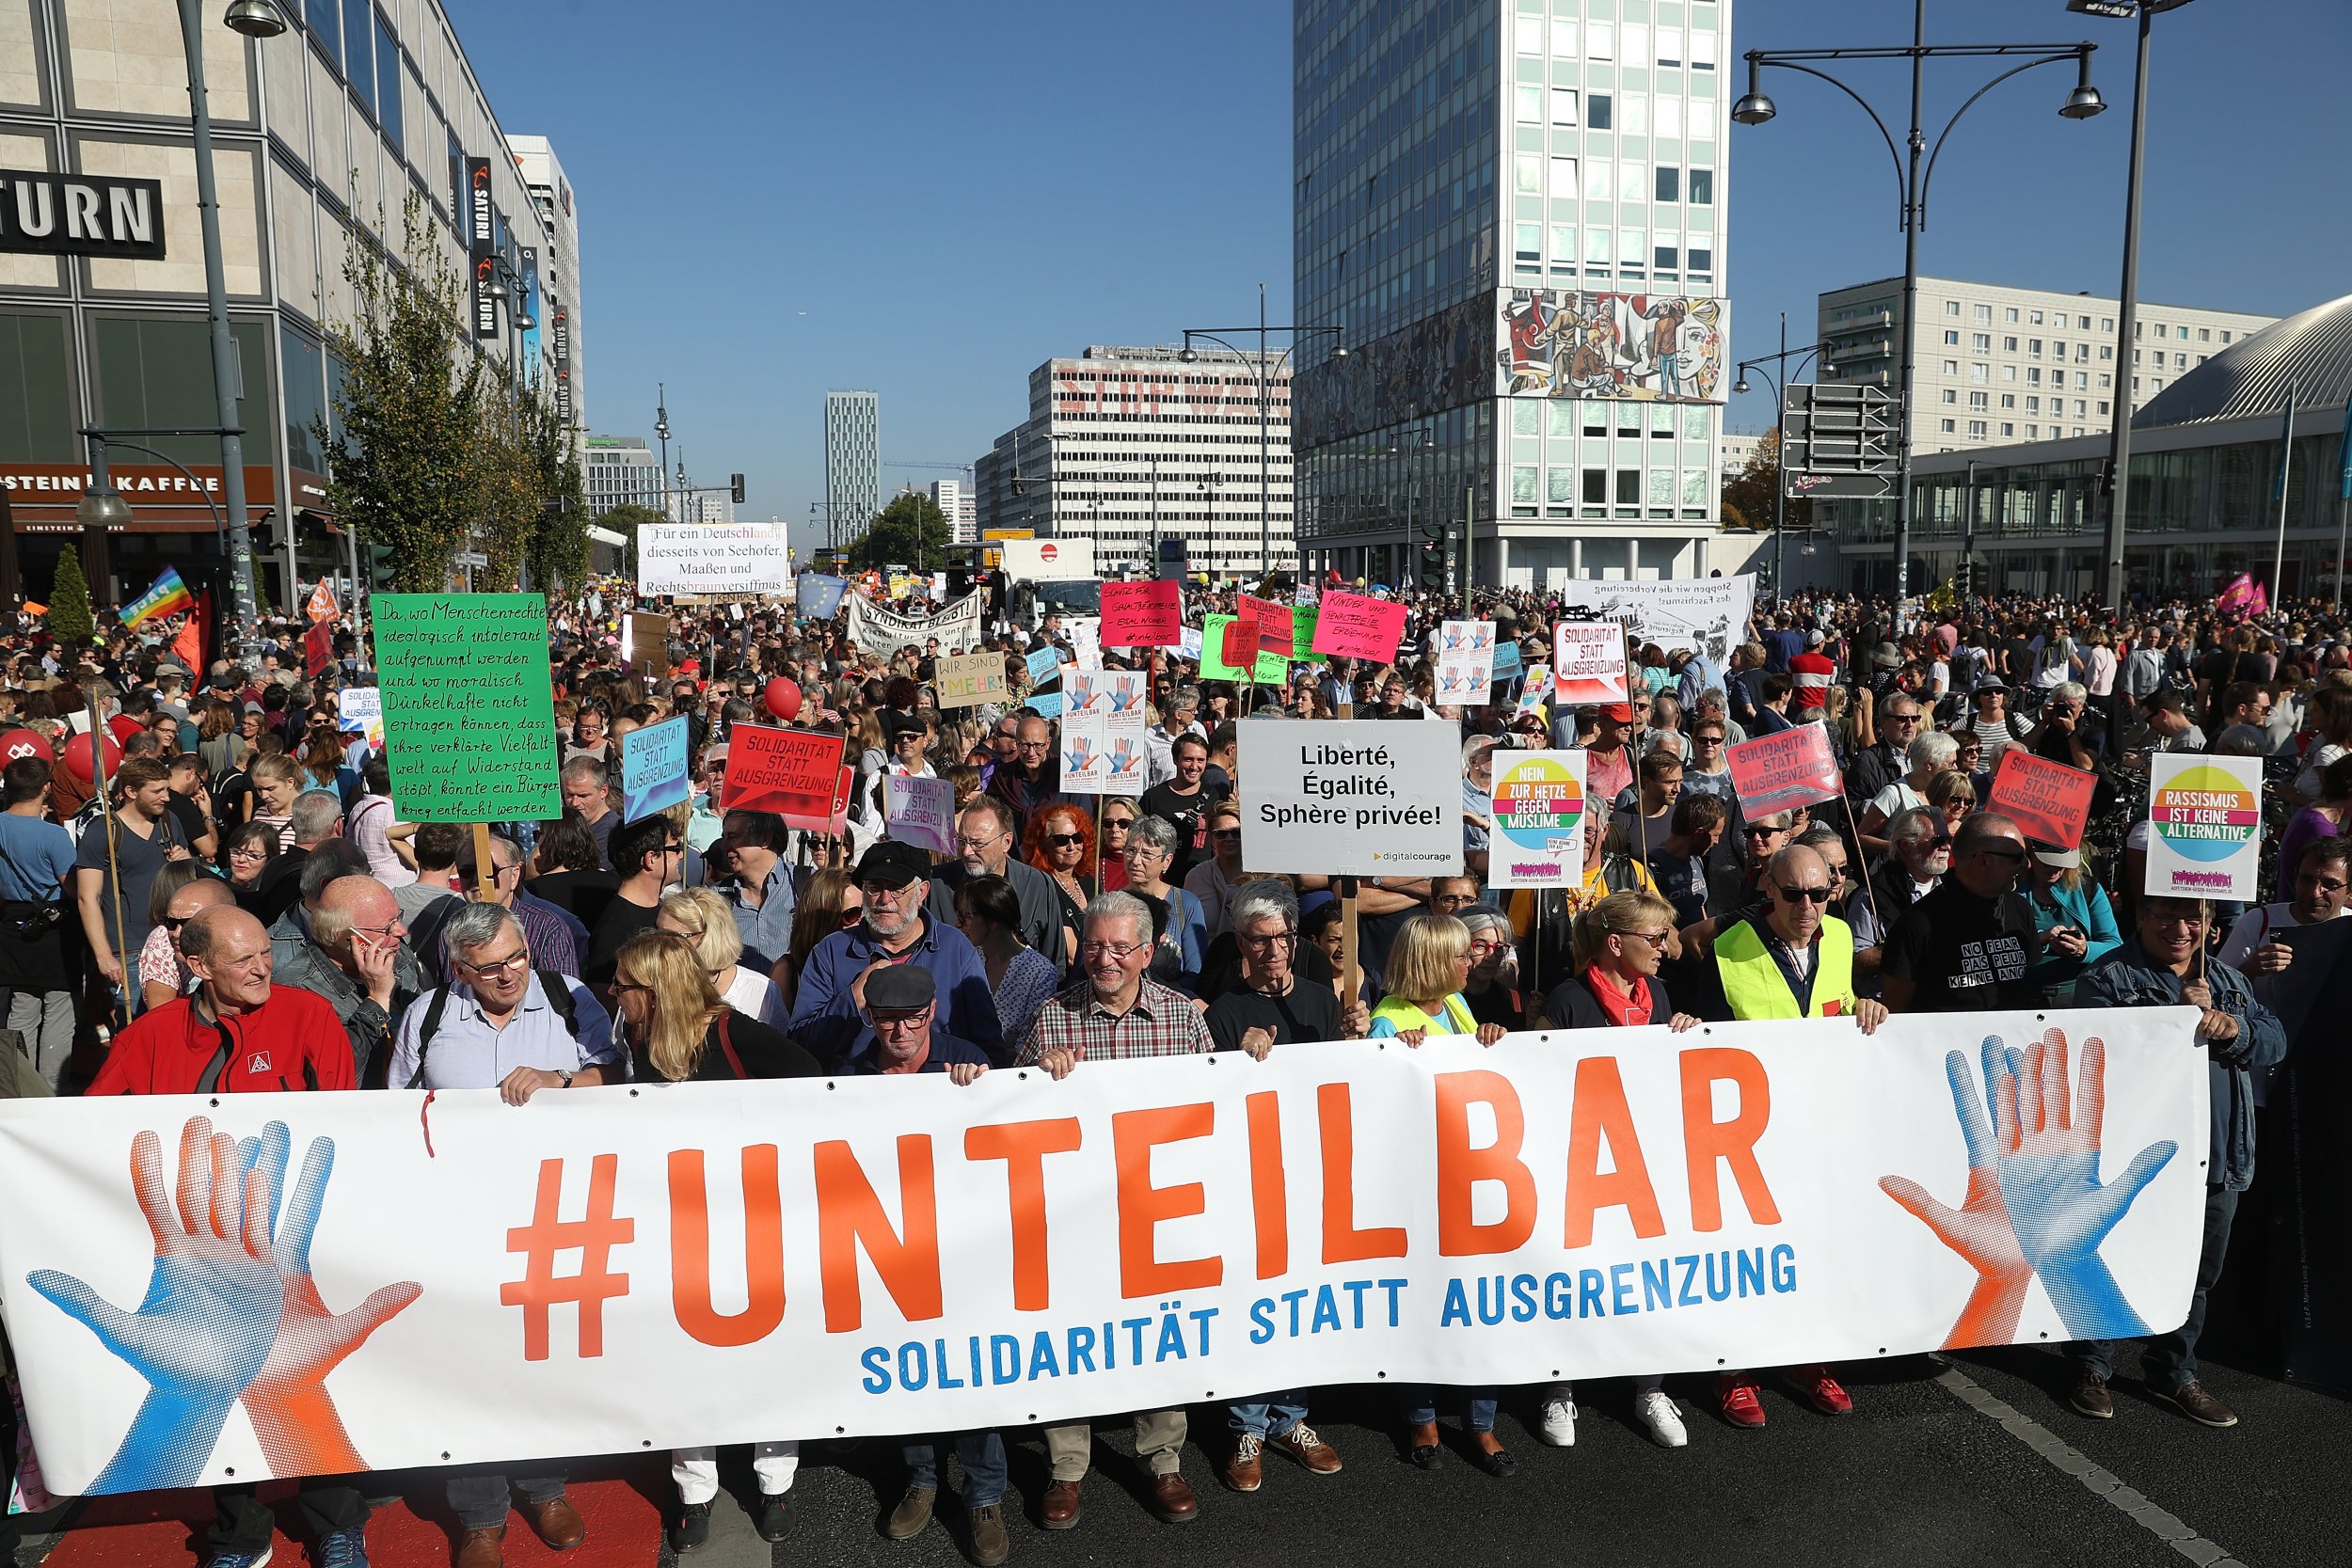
[2129,978]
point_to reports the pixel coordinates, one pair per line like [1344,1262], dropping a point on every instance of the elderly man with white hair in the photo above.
[1113,1013]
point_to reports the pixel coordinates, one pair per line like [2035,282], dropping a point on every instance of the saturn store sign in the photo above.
[81,214]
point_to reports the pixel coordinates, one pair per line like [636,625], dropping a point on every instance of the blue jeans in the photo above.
[479,1497]
[1421,1407]
[2169,1360]
[982,1456]
[1270,1417]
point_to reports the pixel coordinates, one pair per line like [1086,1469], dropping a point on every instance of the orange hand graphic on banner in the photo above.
[1980,1229]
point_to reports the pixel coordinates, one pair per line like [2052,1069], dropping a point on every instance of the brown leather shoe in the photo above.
[1302,1444]
[481,1548]
[557,1523]
[1172,1501]
[1059,1510]
[1244,1472]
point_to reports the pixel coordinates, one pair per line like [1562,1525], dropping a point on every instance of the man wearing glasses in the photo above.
[2318,891]
[1792,959]
[1111,1014]
[984,845]
[828,1016]
[752,846]
[1033,780]
[1967,946]
[500,1024]
[1270,1008]
[2161,965]
[1887,758]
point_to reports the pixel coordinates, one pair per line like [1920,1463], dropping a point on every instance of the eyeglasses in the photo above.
[1810,894]
[2324,884]
[1655,938]
[1902,718]
[1454,899]
[851,914]
[965,843]
[1064,841]
[620,985]
[501,966]
[1225,832]
[2006,851]
[1260,944]
[1836,868]
[1121,951]
[1707,740]
[1034,745]
[1753,831]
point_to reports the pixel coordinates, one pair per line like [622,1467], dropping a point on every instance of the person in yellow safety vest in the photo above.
[1791,960]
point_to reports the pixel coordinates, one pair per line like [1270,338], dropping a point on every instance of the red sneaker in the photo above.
[1818,1388]
[1736,1394]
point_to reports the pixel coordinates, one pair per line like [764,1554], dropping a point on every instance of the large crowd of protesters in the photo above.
[248,876]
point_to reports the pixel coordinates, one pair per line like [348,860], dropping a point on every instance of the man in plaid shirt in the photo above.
[1113,1014]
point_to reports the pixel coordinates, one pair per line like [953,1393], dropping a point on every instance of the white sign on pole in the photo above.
[1466,663]
[921,811]
[1047,559]
[1538,837]
[2205,826]
[1102,731]
[1348,798]
[692,558]
[1707,614]
[1588,662]
[1086,640]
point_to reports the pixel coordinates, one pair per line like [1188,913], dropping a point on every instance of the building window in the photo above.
[1948,427]
[1977,402]
[1530,34]
[1952,367]
[1597,112]
[2007,429]
[1600,177]
[1664,259]
[1595,487]
[1563,107]
[37,403]
[1563,247]
[1668,118]
[1531,104]
[1632,180]
[1702,51]
[1629,487]
[1980,373]
[2182,333]
[1529,243]
[1981,314]
[2083,322]
[1980,342]
[2009,373]
[1952,308]
[2009,346]
[2009,316]
[1563,179]
[1669,183]
[1702,262]
[1702,187]
[1976,428]
[1951,337]
[1600,41]
[1950,396]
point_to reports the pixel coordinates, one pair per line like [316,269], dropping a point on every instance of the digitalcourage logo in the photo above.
[231,1314]
[2035,1204]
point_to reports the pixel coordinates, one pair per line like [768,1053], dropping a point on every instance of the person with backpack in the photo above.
[502,1025]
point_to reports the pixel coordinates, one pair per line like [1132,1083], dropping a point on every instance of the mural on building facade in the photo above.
[1425,368]
[1580,344]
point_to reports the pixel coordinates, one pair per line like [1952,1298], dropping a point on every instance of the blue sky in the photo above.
[930,200]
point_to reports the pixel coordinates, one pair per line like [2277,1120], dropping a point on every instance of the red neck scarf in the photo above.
[1625,1008]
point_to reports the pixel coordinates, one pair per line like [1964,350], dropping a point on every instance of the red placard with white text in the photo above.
[1781,772]
[798,774]
[2048,801]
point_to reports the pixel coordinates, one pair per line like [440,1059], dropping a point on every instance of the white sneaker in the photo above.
[1660,1418]
[1556,1422]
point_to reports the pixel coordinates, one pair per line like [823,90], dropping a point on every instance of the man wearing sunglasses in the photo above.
[1887,758]
[1969,945]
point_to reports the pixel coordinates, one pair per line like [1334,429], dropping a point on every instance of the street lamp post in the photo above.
[2115,480]
[256,20]
[1778,375]
[661,434]
[1755,109]
[1263,373]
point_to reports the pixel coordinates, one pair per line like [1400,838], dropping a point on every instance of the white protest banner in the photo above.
[1187,643]
[1047,559]
[883,632]
[1538,838]
[1086,640]
[1348,796]
[720,558]
[967,680]
[1707,614]
[2205,826]
[1466,663]
[647,1267]
[921,811]
[1102,731]
[359,710]
[1588,663]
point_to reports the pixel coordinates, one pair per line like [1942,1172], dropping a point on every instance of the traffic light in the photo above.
[739,489]
[1433,556]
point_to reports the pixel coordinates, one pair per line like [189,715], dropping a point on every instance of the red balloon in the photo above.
[19,744]
[123,726]
[784,699]
[76,758]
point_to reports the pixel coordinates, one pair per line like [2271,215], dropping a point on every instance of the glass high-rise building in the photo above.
[852,463]
[1514,212]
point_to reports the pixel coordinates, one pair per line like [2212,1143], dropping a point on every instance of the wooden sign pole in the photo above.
[1351,971]
[485,866]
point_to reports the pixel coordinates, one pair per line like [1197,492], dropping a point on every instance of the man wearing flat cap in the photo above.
[828,1017]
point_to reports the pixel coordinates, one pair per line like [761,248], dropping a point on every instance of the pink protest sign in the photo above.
[1780,772]
[1588,662]
[1143,614]
[1351,625]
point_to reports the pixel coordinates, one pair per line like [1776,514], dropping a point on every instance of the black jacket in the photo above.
[1571,1005]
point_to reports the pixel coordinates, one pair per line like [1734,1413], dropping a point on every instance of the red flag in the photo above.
[188,647]
[318,648]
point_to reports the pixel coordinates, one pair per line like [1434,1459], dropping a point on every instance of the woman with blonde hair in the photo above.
[275,780]
[1954,794]
[679,1030]
[705,919]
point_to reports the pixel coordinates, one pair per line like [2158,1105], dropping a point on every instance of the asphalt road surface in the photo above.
[1969,1462]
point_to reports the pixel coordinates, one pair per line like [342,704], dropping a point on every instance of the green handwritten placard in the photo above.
[1270,668]
[469,716]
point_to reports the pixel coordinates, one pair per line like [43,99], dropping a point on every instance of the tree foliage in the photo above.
[559,549]
[69,620]
[404,469]
[910,531]
[507,470]
[1747,495]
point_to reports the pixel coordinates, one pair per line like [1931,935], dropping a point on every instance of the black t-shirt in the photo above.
[188,815]
[1307,1012]
[1186,814]
[621,921]
[763,1053]
[1964,953]
[585,894]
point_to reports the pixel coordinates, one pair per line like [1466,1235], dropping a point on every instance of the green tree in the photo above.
[507,470]
[1747,495]
[69,620]
[559,549]
[404,469]
[910,531]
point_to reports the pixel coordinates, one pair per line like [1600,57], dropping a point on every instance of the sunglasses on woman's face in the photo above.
[1064,841]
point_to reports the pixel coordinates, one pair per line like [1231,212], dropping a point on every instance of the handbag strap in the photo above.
[727,1043]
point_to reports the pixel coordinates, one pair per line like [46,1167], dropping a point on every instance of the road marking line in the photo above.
[2101,1482]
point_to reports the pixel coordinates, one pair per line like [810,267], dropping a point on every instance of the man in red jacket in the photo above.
[238,1034]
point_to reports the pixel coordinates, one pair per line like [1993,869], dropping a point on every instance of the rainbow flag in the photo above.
[168,596]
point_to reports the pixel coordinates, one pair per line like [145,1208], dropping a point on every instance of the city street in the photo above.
[1972,1461]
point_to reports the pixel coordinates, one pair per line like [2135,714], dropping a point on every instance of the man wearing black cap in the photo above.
[901,1011]
[828,1018]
